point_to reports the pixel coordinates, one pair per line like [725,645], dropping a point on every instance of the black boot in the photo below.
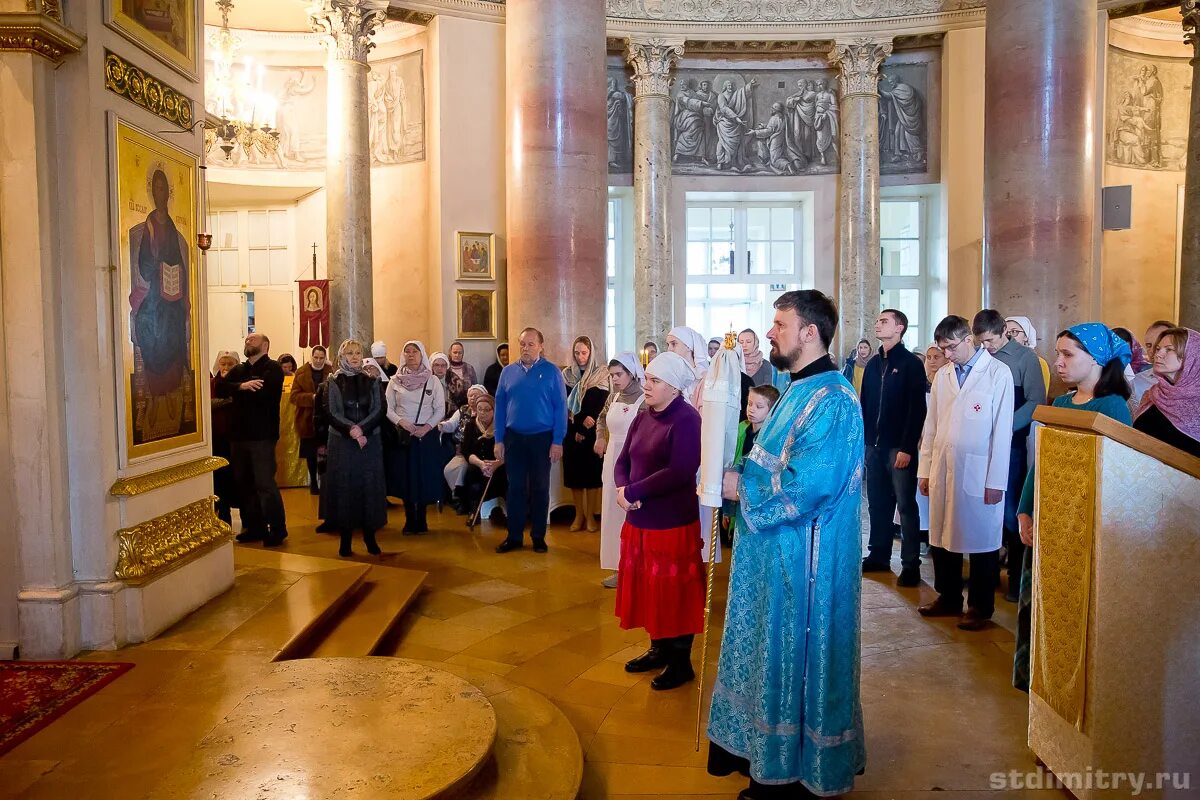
[344,551]
[653,658]
[372,545]
[679,665]
[410,520]
[422,525]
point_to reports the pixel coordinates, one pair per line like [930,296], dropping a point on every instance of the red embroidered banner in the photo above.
[314,313]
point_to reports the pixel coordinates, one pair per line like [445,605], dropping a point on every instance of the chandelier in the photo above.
[234,95]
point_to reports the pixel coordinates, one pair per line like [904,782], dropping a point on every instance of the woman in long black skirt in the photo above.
[416,403]
[355,499]
[588,382]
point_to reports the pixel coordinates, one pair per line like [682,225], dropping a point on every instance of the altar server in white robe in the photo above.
[963,469]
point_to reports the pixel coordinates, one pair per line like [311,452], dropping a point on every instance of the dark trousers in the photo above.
[981,586]
[1017,469]
[254,472]
[527,462]
[887,489]
[312,472]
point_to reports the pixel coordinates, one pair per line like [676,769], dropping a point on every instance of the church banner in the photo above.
[158,314]
[314,313]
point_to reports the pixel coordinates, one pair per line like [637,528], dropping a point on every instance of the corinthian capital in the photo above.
[349,24]
[1190,9]
[859,60]
[652,59]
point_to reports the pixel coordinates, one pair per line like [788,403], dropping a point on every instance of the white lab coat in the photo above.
[964,450]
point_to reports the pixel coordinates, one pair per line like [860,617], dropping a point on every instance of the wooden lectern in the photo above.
[1115,662]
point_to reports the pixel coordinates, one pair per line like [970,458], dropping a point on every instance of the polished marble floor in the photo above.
[941,717]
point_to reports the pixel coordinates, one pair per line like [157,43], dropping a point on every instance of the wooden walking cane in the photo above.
[712,569]
[482,499]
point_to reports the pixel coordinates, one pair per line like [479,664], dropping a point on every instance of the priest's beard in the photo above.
[783,362]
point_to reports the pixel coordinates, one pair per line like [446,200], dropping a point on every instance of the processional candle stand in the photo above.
[721,399]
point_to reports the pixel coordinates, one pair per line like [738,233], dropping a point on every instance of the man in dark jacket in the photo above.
[256,386]
[893,405]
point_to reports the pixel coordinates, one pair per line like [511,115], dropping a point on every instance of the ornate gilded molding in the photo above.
[859,60]
[780,10]
[147,91]
[147,482]
[39,31]
[349,25]
[408,15]
[652,59]
[755,47]
[160,544]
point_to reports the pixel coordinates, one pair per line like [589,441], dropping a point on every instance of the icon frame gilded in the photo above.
[462,271]
[135,157]
[184,59]
[475,331]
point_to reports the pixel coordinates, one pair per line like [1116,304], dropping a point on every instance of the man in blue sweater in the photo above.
[531,422]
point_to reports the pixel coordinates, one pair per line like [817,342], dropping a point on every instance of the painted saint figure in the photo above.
[902,121]
[159,328]
[733,121]
[619,125]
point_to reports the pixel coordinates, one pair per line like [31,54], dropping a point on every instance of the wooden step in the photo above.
[291,621]
[365,621]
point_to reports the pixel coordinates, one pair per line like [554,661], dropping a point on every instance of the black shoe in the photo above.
[909,576]
[372,545]
[507,546]
[678,672]
[273,541]
[344,551]
[251,536]
[540,547]
[871,565]
[654,658]
[940,608]
[497,517]
[326,527]
[974,621]
[314,489]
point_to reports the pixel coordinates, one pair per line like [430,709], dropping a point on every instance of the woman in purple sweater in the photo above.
[662,579]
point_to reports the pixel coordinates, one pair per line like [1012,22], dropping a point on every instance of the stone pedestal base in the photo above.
[156,605]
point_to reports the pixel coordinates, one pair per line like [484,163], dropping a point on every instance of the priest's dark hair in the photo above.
[900,317]
[814,308]
[951,328]
[1112,375]
[988,321]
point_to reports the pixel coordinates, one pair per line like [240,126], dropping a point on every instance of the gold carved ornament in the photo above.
[1066,511]
[158,545]
[143,89]
[140,484]
[39,30]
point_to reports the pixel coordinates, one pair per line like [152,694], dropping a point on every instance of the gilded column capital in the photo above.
[1190,9]
[858,61]
[652,58]
[349,24]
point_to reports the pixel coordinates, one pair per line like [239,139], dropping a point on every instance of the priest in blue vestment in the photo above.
[785,709]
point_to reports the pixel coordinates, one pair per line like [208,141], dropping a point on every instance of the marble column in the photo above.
[348,25]
[654,286]
[858,200]
[1039,176]
[557,170]
[1189,272]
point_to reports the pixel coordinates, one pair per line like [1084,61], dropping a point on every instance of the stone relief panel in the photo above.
[1147,102]
[773,121]
[779,10]
[395,101]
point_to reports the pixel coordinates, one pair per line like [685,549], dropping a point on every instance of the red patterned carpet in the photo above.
[35,693]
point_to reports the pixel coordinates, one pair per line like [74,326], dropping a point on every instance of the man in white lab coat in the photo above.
[963,469]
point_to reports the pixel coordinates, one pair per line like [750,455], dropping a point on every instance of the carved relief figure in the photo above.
[1147,110]
[693,121]
[901,121]
[827,124]
[733,119]
[620,125]
[289,116]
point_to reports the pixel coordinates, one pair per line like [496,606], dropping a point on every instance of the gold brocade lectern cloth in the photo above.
[1067,476]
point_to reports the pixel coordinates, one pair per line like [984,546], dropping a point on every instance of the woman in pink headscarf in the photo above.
[1170,410]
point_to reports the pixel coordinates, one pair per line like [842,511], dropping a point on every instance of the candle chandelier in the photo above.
[234,95]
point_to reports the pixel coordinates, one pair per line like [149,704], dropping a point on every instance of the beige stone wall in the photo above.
[1139,270]
[962,169]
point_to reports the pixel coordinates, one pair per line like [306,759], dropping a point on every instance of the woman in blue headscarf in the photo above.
[1091,358]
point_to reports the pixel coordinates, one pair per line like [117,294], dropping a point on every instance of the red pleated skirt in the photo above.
[662,581]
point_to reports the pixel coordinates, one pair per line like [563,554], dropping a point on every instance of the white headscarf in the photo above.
[378,350]
[672,369]
[413,379]
[442,356]
[1026,326]
[632,365]
[382,375]
[216,370]
[693,340]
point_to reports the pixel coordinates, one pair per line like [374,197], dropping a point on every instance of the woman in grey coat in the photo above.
[356,498]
